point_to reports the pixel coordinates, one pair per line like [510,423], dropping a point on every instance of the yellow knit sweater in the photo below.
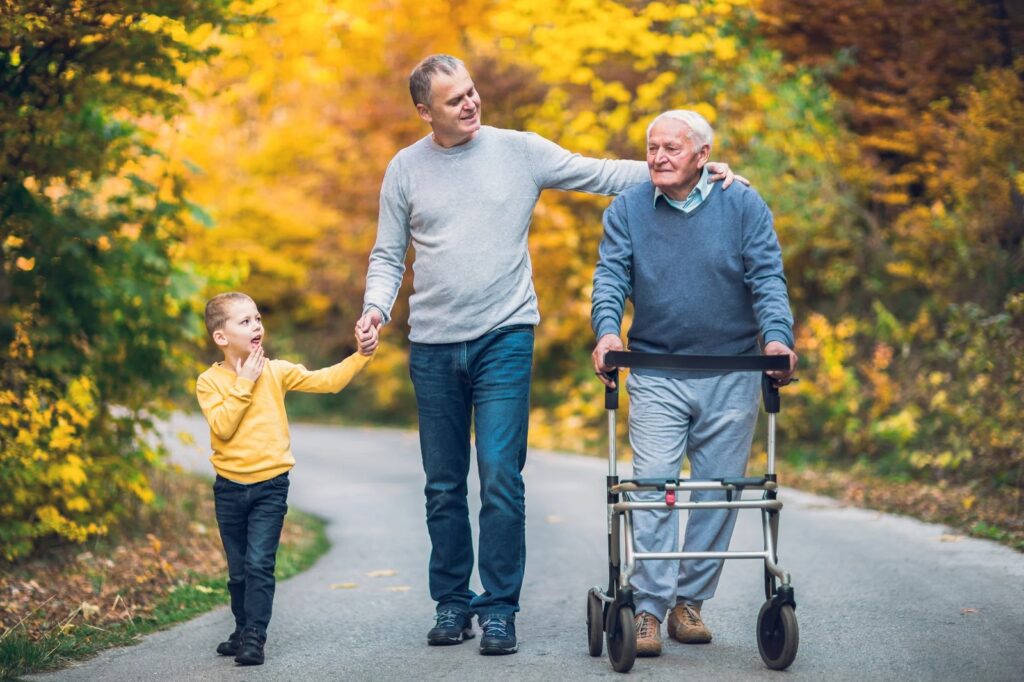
[248,423]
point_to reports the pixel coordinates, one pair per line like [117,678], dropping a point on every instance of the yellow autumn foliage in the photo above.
[905,281]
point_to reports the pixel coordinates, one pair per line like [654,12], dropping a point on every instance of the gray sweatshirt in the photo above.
[467,210]
[706,282]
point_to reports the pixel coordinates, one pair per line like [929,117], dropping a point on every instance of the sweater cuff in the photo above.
[383,315]
[780,335]
[363,360]
[607,326]
[243,386]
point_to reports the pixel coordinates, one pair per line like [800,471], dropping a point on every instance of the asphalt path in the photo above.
[879,597]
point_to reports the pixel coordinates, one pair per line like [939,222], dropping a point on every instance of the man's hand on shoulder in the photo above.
[781,377]
[718,170]
[604,344]
[253,365]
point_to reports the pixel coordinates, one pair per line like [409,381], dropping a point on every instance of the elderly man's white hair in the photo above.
[700,129]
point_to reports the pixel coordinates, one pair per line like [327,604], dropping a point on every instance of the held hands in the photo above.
[604,344]
[781,377]
[721,171]
[368,331]
[253,365]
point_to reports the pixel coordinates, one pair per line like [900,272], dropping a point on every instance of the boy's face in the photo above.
[242,332]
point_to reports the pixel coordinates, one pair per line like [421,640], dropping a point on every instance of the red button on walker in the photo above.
[670,497]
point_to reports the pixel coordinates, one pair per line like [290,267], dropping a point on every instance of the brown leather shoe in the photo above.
[648,634]
[685,625]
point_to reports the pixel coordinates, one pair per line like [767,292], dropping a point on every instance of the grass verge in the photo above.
[973,510]
[67,604]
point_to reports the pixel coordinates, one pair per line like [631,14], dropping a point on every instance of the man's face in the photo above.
[674,163]
[454,111]
[243,331]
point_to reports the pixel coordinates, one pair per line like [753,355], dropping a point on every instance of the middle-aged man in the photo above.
[704,271]
[464,195]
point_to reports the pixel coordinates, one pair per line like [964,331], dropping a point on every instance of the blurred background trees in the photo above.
[888,138]
[97,305]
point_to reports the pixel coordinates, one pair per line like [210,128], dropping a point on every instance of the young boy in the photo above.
[242,399]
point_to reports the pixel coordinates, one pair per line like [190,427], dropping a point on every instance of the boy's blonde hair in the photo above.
[217,309]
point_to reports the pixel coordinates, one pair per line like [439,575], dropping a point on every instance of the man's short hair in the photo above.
[700,129]
[217,309]
[419,79]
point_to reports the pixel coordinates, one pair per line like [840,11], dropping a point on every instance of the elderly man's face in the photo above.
[674,163]
[454,111]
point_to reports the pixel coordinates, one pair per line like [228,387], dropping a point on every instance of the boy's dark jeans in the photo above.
[250,518]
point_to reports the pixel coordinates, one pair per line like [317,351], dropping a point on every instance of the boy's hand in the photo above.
[253,365]
[367,338]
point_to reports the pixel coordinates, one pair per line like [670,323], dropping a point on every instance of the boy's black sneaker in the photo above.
[250,650]
[450,627]
[499,635]
[230,647]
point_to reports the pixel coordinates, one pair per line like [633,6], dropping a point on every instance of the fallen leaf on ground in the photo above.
[948,537]
[382,573]
[399,588]
[89,610]
[553,518]
[343,586]
[967,611]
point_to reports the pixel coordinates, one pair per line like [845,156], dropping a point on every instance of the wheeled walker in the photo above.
[610,612]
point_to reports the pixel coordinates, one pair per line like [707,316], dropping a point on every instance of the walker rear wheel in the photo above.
[622,641]
[778,635]
[595,624]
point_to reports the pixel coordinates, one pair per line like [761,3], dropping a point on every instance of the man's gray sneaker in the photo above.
[499,635]
[450,627]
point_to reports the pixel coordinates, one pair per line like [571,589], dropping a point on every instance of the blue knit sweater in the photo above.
[705,282]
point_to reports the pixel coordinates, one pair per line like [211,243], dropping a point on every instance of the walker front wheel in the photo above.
[770,584]
[622,641]
[778,635]
[595,624]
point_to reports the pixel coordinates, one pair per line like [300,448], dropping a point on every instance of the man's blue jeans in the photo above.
[250,518]
[488,380]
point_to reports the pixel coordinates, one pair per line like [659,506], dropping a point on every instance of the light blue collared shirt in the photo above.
[694,199]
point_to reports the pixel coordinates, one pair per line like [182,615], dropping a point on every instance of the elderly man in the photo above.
[464,196]
[704,271]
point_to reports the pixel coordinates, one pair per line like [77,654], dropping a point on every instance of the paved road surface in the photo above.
[879,597]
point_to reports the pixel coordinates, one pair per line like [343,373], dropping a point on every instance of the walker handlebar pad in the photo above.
[719,363]
[725,363]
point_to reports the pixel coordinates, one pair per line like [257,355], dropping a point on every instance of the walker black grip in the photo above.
[770,392]
[611,395]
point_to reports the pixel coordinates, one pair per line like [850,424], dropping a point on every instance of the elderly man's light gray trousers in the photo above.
[710,417]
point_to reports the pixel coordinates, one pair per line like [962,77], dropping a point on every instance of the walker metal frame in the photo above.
[610,612]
